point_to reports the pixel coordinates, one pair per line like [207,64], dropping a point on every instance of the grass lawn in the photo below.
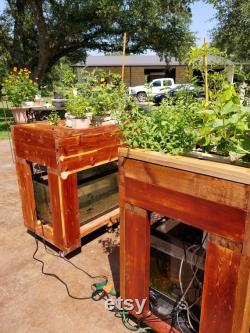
[6,120]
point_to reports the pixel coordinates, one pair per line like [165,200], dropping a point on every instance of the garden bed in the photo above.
[207,195]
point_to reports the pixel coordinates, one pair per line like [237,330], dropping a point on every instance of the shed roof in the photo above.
[140,60]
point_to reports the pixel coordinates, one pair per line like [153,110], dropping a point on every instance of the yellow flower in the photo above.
[102,79]
[30,81]
[14,69]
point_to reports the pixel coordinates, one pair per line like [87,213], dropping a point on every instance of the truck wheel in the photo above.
[141,96]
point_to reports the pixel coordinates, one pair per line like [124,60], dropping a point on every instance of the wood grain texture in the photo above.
[200,213]
[122,224]
[159,326]
[214,169]
[219,290]
[26,190]
[56,213]
[246,244]
[241,313]
[70,213]
[135,275]
[72,146]
[65,149]
[40,155]
[89,159]
[186,182]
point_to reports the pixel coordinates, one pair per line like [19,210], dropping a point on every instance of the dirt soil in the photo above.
[34,303]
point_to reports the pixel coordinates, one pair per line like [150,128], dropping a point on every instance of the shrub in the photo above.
[18,87]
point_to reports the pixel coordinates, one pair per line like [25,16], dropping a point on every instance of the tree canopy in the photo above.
[232,33]
[37,33]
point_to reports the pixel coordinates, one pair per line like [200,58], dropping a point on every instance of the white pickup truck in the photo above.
[154,87]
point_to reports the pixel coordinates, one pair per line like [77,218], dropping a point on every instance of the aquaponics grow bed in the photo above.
[210,196]
[67,180]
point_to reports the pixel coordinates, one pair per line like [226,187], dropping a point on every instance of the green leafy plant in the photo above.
[18,87]
[60,79]
[168,129]
[102,93]
[225,126]
[184,123]
[78,106]
[54,118]
[199,58]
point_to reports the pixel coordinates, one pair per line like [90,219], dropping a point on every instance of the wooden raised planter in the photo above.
[211,196]
[75,179]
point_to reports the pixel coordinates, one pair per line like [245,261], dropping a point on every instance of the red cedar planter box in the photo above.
[211,196]
[66,155]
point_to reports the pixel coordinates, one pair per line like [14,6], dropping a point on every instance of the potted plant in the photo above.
[106,99]
[104,93]
[20,91]
[76,109]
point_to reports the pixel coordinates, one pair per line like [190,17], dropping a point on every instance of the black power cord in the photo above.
[56,276]
[94,295]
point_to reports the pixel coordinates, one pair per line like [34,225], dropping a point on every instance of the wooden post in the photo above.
[65,215]
[124,54]
[205,61]
[24,177]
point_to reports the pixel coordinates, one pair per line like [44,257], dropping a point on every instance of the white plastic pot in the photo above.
[68,119]
[80,123]
[20,115]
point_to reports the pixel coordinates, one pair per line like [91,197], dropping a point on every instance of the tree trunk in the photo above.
[17,10]
[43,41]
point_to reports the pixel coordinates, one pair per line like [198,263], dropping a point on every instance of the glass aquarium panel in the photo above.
[97,191]
[41,192]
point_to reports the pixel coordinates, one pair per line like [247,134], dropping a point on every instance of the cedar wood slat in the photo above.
[64,152]
[214,169]
[219,289]
[26,192]
[148,181]
[200,213]
[201,186]
[56,213]
[70,212]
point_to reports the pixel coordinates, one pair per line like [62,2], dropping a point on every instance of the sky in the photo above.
[203,21]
